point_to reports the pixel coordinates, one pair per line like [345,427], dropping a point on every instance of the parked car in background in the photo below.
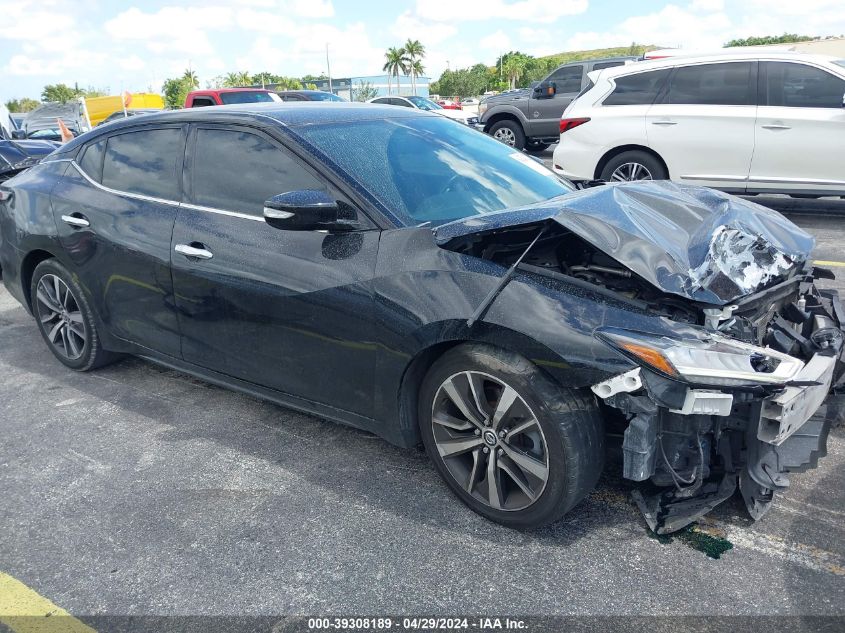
[228,96]
[471,101]
[427,105]
[530,118]
[450,104]
[101,108]
[17,119]
[388,269]
[309,95]
[120,114]
[42,123]
[761,122]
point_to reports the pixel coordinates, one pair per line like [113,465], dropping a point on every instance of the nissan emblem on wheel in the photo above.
[389,269]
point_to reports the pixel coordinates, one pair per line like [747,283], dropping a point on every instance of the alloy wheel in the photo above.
[490,441]
[505,135]
[627,172]
[60,317]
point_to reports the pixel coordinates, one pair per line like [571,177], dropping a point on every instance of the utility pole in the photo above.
[329,68]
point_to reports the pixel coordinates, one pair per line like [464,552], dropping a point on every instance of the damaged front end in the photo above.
[739,388]
[747,403]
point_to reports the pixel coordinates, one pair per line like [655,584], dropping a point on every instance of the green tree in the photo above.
[312,78]
[514,67]
[415,52]
[175,91]
[190,78]
[264,78]
[25,104]
[288,83]
[61,93]
[786,38]
[310,86]
[237,79]
[364,91]
[396,61]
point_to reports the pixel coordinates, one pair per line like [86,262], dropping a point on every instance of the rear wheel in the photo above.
[510,444]
[633,165]
[508,132]
[64,318]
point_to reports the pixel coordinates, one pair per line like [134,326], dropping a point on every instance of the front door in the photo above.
[114,209]
[703,124]
[544,114]
[800,133]
[287,310]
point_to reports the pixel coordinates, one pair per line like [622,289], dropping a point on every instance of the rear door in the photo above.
[115,209]
[800,132]
[544,114]
[288,310]
[703,124]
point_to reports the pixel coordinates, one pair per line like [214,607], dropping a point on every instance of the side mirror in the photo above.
[305,210]
[18,135]
[545,90]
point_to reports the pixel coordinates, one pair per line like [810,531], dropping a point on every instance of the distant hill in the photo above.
[573,56]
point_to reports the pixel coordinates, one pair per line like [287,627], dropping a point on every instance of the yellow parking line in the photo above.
[821,262]
[25,611]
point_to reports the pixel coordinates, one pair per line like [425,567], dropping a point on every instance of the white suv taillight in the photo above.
[568,124]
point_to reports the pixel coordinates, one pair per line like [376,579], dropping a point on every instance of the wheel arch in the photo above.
[507,115]
[27,269]
[613,153]
[546,360]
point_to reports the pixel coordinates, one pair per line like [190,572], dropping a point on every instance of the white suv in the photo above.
[743,122]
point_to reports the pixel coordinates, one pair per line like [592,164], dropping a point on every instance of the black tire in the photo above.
[536,146]
[572,430]
[508,132]
[649,162]
[91,353]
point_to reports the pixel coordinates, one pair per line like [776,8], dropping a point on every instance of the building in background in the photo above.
[343,86]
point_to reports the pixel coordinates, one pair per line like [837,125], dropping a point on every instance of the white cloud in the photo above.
[171,29]
[497,42]
[410,26]
[310,8]
[707,5]
[526,10]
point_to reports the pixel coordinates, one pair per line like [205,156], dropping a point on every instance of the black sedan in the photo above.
[396,271]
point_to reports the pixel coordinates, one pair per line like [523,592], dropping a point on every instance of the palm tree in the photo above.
[395,61]
[513,67]
[237,79]
[415,52]
[190,76]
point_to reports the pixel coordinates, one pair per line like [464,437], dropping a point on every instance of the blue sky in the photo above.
[135,45]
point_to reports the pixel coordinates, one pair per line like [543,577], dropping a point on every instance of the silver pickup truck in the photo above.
[529,119]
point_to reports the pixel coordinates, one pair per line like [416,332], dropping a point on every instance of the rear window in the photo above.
[728,83]
[639,89]
[800,86]
[144,162]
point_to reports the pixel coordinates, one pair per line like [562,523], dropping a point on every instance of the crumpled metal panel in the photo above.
[17,155]
[686,240]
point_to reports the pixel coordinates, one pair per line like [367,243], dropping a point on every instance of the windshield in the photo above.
[424,104]
[431,169]
[49,135]
[229,98]
[325,96]
[839,62]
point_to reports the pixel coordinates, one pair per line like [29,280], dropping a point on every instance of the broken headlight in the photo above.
[711,360]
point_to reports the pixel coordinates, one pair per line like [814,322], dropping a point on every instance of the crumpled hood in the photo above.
[690,241]
[17,155]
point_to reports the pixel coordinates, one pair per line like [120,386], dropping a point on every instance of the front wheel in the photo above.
[512,445]
[633,165]
[65,319]
[508,132]
[536,146]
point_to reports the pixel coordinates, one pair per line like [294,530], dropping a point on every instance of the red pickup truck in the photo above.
[228,96]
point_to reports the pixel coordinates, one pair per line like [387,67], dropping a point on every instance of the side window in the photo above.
[600,65]
[382,101]
[262,171]
[727,83]
[401,102]
[568,78]
[144,162]
[639,89]
[91,160]
[201,102]
[800,86]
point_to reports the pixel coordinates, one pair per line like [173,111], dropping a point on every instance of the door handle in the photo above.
[193,251]
[76,220]
[777,126]
[664,123]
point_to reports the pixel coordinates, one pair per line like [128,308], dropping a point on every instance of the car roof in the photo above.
[682,60]
[217,91]
[285,114]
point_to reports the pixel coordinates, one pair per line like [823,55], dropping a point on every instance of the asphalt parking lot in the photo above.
[137,490]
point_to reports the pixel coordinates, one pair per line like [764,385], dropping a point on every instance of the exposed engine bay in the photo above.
[740,408]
